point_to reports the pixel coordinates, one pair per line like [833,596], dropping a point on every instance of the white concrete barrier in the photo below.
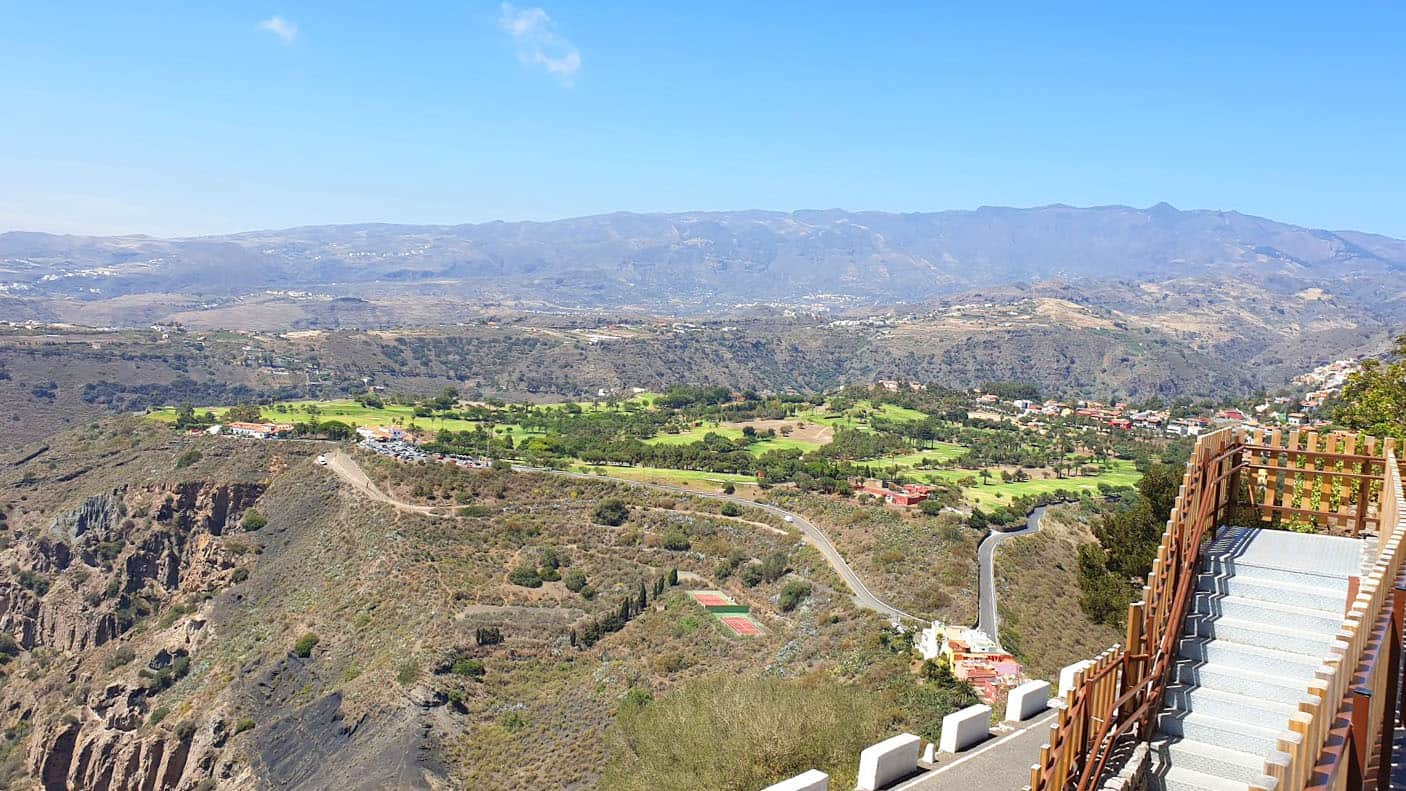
[929,753]
[889,760]
[962,729]
[811,780]
[1027,700]
[1066,676]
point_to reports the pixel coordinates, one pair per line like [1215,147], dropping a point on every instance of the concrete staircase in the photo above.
[1263,615]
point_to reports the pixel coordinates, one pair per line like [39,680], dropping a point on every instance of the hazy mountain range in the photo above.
[702,261]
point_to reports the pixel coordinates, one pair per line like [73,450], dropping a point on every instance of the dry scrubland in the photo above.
[924,565]
[398,603]
[1037,584]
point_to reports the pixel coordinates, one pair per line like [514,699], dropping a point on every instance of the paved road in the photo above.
[1003,762]
[988,621]
[812,535]
[348,470]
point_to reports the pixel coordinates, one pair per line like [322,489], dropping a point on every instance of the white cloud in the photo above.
[277,25]
[539,44]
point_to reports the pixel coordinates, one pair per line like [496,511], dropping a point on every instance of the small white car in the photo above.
[322,459]
[789,518]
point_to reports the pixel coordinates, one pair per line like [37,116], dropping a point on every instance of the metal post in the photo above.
[1357,737]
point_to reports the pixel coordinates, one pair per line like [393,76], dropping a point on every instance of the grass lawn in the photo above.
[781,443]
[853,417]
[757,448]
[661,475]
[944,451]
[1122,473]
[692,435]
[354,414]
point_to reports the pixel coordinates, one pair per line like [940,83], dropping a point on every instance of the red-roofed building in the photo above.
[908,494]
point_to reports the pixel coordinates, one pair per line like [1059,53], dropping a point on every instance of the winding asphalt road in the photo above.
[809,532]
[988,621]
[349,471]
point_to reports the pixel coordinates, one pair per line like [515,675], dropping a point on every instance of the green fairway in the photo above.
[660,475]
[762,445]
[942,452]
[349,412]
[858,415]
[694,434]
[1121,473]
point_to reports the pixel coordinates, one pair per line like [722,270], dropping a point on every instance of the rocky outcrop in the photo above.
[114,566]
[91,755]
[119,556]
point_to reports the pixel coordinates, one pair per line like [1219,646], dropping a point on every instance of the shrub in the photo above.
[488,635]
[731,509]
[240,574]
[253,520]
[188,458]
[303,648]
[526,576]
[793,594]
[407,673]
[635,699]
[468,668]
[655,746]
[675,540]
[185,730]
[120,657]
[612,512]
[512,721]
[243,725]
[158,714]
[751,574]
[575,580]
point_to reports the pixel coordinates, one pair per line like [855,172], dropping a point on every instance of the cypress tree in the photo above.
[643,598]
[673,577]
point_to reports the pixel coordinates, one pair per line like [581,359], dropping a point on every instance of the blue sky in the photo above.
[177,118]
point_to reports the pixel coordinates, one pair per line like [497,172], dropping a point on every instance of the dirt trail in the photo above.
[348,470]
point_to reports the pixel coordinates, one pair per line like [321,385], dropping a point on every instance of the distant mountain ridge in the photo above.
[710,260]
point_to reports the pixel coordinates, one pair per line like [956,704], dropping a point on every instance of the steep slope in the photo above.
[164,638]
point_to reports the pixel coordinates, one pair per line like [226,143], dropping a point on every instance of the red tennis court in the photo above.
[741,625]
[712,599]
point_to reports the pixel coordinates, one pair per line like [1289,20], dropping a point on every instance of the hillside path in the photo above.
[349,471]
[809,532]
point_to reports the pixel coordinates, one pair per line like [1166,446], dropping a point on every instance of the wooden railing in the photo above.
[1300,480]
[1341,736]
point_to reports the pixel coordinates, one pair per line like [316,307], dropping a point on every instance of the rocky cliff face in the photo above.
[120,557]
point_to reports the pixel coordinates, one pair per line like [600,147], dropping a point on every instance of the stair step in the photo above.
[1261,634]
[1249,682]
[1208,760]
[1179,779]
[1229,567]
[1298,594]
[1229,705]
[1229,652]
[1240,608]
[1227,734]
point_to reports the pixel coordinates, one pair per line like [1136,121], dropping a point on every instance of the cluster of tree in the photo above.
[1374,399]
[123,397]
[855,445]
[1111,570]
[680,396]
[630,606]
